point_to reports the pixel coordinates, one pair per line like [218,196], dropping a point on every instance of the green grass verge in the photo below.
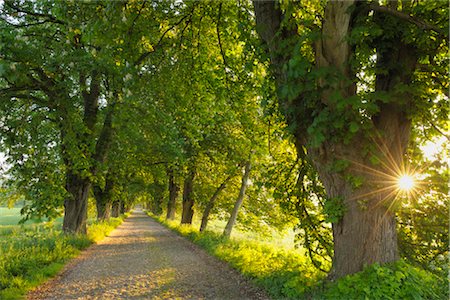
[288,274]
[30,255]
[281,272]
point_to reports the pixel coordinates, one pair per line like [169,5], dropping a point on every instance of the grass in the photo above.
[282,272]
[11,217]
[287,274]
[32,253]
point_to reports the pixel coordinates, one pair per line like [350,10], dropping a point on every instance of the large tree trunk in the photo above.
[238,203]
[366,233]
[188,200]
[104,199]
[173,194]
[209,206]
[75,206]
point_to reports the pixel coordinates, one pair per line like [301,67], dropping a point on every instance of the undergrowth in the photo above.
[30,255]
[286,274]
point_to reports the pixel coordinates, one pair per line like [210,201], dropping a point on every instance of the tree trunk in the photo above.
[366,233]
[75,206]
[188,200]
[211,202]
[240,199]
[173,194]
[104,198]
[103,208]
[116,209]
[156,205]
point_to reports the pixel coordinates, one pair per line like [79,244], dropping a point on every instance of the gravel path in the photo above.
[143,260]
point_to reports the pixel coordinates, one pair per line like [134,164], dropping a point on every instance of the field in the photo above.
[9,216]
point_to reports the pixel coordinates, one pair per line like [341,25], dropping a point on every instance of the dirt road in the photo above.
[143,260]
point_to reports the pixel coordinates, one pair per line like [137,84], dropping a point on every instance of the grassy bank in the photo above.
[282,272]
[31,254]
[288,274]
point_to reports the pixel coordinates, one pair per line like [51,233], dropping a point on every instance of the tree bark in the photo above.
[75,206]
[188,200]
[366,233]
[211,203]
[104,198]
[239,201]
[104,206]
[78,186]
[173,194]
[116,209]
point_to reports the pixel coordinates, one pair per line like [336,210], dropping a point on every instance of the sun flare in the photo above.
[406,183]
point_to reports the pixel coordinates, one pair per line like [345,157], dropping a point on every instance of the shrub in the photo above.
[398,280]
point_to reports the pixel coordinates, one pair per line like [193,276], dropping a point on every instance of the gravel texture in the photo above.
[143,260]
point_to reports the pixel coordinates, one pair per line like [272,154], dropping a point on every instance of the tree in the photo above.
[48,81]
[349,82]
[72,73]
[173,194]
[239,200]
[210,204]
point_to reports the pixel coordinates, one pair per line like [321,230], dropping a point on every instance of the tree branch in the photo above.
[218,37]
[144,55]
[404,16]
[130,30]
[439,130]
[49,18]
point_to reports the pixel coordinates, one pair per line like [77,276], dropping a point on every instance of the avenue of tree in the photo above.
[264,114]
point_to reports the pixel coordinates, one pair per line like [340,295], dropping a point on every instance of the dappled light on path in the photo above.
[143,260]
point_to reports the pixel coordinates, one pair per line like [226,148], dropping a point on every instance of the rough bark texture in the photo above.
[239,200]
[211,202]
[75,206]
[188,200]
[367,232]
[173,194]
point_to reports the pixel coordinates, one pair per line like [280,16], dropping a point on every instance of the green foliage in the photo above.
[423,223]
[334,209]
[288,274]
[99,230]
[399,280]
[30,255]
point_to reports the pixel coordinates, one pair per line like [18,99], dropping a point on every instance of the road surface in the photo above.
[141,259]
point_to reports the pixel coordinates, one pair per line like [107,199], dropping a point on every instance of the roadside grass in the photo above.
[32,253]
[283,273]
[288,274]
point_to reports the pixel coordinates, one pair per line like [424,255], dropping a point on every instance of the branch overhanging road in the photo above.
[141,259]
